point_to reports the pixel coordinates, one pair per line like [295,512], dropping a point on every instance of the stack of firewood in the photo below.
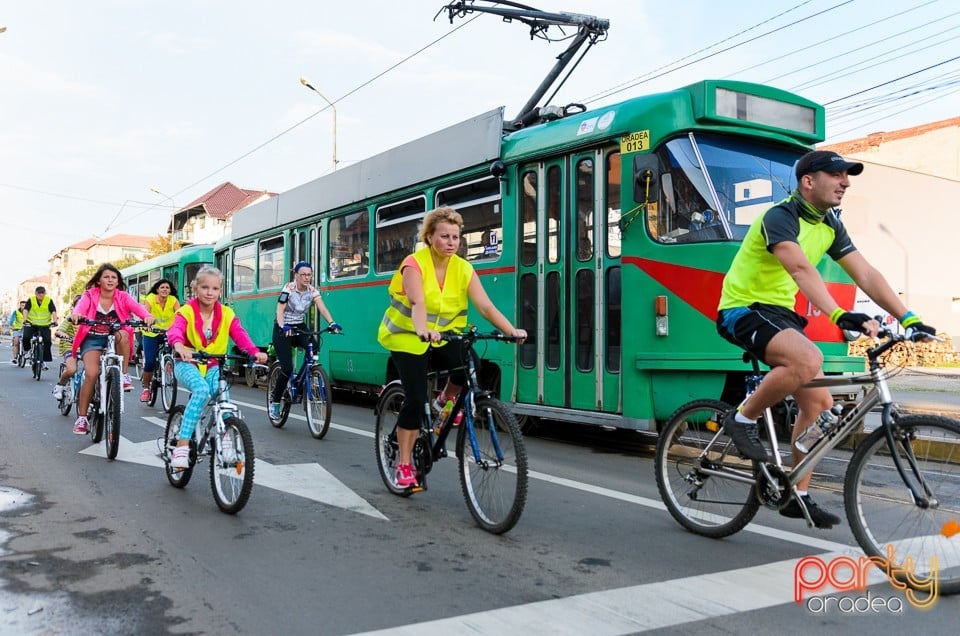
[913,354]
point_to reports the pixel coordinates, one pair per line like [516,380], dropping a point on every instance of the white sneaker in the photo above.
[228,447]
[57,392]
[180,457]
[127,382]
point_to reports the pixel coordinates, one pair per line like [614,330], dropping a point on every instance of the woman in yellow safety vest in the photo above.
[163,304]
[428,294]
[203,324]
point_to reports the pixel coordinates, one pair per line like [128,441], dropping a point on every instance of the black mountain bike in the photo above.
[489,445]
[164,383]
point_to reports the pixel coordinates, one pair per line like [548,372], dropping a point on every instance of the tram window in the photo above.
[554,318]
[553,214]
[528,247]
[478,202]
[270,272]
[613,204]
[586,305]
[244,264]
[528,320]
[612,319]
[348,244]
[713,187]
[585,203]
[190,272]
[397,232]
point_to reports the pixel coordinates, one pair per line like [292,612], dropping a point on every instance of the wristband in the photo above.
[836,313]
[909,319]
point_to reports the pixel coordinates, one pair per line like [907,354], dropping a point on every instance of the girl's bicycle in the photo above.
[222,436]
[309,385]
[901,485]
[164,383]
[489,445]
[106,404]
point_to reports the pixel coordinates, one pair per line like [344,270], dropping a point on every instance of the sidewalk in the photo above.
[928,390]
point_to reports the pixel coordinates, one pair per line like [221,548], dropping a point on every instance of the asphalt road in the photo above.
[89,546]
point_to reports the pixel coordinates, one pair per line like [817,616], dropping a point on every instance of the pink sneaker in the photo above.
[145,395]
[406,475]
[80,426]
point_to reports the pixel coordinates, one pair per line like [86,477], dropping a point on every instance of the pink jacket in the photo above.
[178,330]
[123,303]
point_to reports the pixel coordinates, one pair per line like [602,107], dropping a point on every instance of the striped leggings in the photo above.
[201,388]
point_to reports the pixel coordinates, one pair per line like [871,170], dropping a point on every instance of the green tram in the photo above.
[179,267]
[605,234]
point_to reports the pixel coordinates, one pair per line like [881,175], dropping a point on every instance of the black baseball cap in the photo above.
[828,161]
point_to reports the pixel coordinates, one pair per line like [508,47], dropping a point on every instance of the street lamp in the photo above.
[906,263]
[306,82]
[173,213]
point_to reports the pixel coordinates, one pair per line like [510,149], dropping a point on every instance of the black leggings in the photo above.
[413,369]
[283,349]
[44,333]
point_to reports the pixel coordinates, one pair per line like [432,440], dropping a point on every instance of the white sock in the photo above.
[743,419]
[801,493]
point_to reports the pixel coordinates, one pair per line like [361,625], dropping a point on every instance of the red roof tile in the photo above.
[875,139]
[225,199]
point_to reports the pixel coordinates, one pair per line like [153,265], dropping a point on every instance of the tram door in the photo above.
[568,274]
[304,248]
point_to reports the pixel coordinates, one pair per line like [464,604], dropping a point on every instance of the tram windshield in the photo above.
[712,187]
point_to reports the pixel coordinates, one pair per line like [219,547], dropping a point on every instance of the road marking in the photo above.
[311,481]
[629,610]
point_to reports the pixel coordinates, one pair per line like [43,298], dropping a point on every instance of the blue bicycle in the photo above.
[310,385]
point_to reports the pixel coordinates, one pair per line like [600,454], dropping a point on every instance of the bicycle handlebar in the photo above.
[114,325]
[223,358]
[472,334]
[301,331]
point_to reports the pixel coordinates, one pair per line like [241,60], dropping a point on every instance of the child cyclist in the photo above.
[65,333]
[203,324]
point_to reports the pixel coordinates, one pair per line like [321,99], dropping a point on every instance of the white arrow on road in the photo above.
[311,481]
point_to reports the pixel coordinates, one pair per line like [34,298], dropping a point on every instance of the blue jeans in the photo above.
[201,388]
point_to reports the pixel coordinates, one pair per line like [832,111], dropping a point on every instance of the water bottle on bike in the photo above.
[825,422]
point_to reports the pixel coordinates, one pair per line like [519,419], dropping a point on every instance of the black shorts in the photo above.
[752,328]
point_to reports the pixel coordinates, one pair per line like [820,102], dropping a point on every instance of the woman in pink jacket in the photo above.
[105,299]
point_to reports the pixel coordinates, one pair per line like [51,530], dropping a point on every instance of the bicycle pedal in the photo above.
[417,488]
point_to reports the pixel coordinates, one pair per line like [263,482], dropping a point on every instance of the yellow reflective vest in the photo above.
[221,339]
[164,315]
[39,315]
[17,320]
[446,308]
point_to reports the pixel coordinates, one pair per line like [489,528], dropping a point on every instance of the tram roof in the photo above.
[460,146]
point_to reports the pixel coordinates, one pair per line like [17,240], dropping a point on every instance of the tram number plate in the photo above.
[635,141]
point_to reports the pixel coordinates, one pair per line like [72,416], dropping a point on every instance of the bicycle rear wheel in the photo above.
[316,402]
[274,378]
[495,488]
[94,416]
[881,510]
[168,383]
[112,413]
[171,435]
[232,481]
[385,438]
[690,445]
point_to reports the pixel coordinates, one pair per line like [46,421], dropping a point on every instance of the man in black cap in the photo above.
[777,258]
[39,315]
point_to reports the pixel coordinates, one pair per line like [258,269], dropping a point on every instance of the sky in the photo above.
[104,100]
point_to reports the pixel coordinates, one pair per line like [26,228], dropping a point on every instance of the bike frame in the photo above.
[877,395]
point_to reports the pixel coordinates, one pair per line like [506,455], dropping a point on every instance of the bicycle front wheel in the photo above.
[704,483]
[37,361]
[281,418]
[317,403]
[177,478]
[881,510]
[168,383]
[112,413]
[95,416]
[231,467]
[385,438]
[66,396]
[495,485]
